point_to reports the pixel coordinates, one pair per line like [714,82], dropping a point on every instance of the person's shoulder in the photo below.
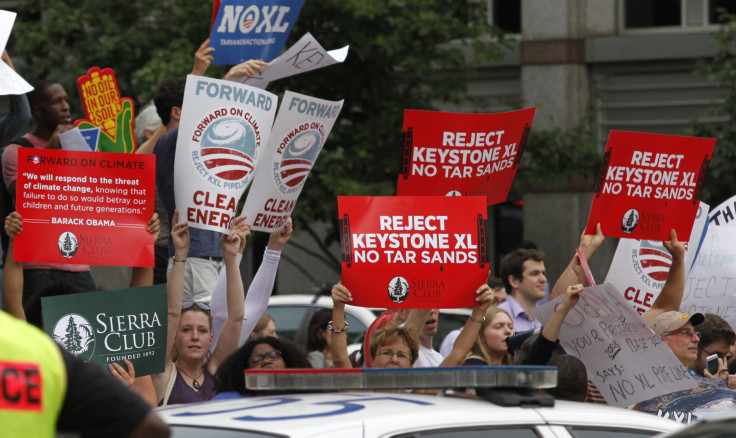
[167,142]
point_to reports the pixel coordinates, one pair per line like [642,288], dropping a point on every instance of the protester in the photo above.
[572,378]
[319,339]
[266,327]
[716,337]
[188,372]
[524,277]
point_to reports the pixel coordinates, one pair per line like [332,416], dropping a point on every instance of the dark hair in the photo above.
[715,329]
[230,375]
[33,306]
[495,282]
[169,93]
[38,94]
[315,338]
[572,378]
[513,264]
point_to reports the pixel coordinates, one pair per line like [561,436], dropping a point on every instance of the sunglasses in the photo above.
[258,358]
[186,305]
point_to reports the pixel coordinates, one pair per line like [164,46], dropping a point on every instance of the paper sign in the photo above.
[306,55]
[251,29]
[649,184]
[724,213]
[223,127]
[7,19]
[625,359]
[103,107]
[10,81]
[586,268]
[639,267]
[457,154]
[73,140]
[91,136]
[85,208]
[413,251]
[301,129]
[110,326]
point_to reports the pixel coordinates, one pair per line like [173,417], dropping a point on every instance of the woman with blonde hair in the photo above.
[490,346]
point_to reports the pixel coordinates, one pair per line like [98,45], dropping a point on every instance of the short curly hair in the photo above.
[388,333]
[230,376]
[715,329]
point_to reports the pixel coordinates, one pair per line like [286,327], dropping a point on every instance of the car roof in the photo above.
[380,413]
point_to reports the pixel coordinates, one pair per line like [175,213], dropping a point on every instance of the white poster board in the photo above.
[10,81]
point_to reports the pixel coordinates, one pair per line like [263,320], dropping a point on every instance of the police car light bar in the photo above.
[402,378]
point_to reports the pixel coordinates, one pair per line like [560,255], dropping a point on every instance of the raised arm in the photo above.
[248,68]
[589,244]
[12,292]
[670,297]
[232,244]
[202,58]
[339,339]
[469,333]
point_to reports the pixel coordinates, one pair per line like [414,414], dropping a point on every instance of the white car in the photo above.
[517,413]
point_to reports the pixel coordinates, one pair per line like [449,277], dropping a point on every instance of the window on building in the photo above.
[506,15]
[670,14]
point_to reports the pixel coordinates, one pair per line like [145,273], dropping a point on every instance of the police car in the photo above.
[509,408]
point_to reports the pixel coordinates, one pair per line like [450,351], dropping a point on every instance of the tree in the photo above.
[72,341]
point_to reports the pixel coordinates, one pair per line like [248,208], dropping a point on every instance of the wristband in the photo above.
[177,259]
[479,321]
[335,330]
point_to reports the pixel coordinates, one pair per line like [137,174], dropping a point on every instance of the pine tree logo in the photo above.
[629,221]
[398,289]
[68,244]
[73,332]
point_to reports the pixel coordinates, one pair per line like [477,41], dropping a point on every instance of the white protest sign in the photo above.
[711,285]
[306,55]
[724,213]
[10,81]
[624,358]
[639,267]
[222,129]
[301,129]
[73,140]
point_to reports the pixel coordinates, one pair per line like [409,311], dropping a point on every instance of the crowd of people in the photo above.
[216,330]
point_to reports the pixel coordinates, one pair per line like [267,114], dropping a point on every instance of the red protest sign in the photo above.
[649,184]
[85,208]
[462,154]
[413,251]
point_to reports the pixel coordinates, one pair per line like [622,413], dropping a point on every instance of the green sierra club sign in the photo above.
[111,326]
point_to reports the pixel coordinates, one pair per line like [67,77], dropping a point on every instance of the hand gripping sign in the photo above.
[462,154]
[413,251]
[649,184]
[106,110]
[301,129]
[222,128]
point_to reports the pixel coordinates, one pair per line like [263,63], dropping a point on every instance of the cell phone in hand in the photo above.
[711,363]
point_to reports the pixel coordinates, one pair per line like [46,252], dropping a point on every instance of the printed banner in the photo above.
[251,29]
[457,154]
[222,128]
[85,208]
[10,81]
[639,268]
[306,55]
[299,133]
[413,251]
[724,213]
[649,184]
[104,108]
[111,326]
[711,285]
[625,359]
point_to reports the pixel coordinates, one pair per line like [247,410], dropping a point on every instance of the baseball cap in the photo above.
[671,321]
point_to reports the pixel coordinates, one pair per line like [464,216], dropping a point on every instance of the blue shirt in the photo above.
[522,320]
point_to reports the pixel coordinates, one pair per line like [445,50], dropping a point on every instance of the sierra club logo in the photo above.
[228,149]
[398,289]
[76,335]
[297,161]
[629,221]
[68,244]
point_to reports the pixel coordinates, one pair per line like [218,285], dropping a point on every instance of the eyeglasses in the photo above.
[186,305]
[258,358]
[687,333]
[388,354]
[726,356]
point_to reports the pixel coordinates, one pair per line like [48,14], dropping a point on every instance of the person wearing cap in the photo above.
[677,330]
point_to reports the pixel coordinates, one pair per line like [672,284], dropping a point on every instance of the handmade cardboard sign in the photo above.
[251,29]
[110,326]
[413,251]
[301,129]
[649,184]
[625,359]
[223,127]
[306,55]
[85,208]
[639,268]
[462,154]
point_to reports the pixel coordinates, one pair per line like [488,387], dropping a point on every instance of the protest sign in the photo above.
[711,285]
[724,213]
[649,184]
[301,129]
[306,55]
[251,29]
[413,251]
[462,154]
[74,140]
[625,359]
[110,326]
[104,108]
[586,268]
[85,208]
[709,398]
[10,81]
[223,126]
[639,267]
